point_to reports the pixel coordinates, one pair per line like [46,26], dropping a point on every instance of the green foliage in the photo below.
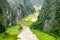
[43,36]
[37,25]
[56,24]
[2,26]
[13,30]
[4,36]
[50,11]
[11,33]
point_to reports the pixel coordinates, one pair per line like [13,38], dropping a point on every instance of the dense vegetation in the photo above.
[16,12]
[49,20]
[10,13]
[2,15]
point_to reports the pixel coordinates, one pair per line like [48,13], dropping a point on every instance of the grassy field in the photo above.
[31,16]
[28,20]
[11,33]
[13,30]
[43,36]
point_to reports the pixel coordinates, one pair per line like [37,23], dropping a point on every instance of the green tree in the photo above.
[3,7]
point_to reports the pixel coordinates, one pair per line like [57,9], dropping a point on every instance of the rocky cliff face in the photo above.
[47,13]
[49,16]
[11,11]
[17,9]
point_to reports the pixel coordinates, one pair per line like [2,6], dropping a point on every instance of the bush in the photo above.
[37,25]
[2,28]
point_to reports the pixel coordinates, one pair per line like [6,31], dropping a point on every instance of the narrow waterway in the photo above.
[26,34]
